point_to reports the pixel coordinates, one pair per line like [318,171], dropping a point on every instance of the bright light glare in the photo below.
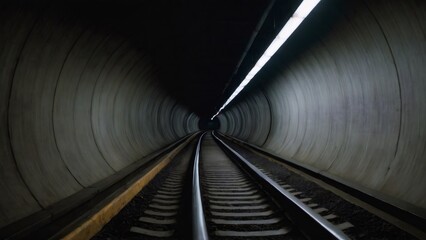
[298,16]
[305,8]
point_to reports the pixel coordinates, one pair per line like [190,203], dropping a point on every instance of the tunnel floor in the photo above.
[358,223]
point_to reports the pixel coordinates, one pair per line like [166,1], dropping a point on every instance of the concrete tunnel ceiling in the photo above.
[88,89]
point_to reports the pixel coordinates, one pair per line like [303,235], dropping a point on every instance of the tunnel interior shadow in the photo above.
[208,124]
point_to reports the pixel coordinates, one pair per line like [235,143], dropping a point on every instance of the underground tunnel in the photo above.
[93,93]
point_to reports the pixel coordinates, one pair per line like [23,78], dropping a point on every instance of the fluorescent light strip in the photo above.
[298,16]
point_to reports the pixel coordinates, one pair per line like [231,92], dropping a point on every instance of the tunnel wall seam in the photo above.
[270,115]
[123,42]
[397,73]
[53,105]
[95,49]
[19,55]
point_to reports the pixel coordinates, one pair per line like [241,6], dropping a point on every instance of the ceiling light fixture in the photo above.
[298,16]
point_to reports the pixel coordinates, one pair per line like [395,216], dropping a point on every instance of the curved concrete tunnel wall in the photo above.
[353,106]
[78,104]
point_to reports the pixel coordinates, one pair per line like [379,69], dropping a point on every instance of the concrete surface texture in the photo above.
[77,104]
[353,106]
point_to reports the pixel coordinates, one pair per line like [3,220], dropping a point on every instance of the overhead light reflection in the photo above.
[292,24]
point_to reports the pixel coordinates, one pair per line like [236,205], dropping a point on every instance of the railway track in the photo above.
[235,206]
[159,219]
[241,201]
[210,192]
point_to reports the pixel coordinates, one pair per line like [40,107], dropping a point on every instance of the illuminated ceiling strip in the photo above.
[299,15]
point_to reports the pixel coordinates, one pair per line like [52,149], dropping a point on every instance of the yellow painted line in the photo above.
[95,223]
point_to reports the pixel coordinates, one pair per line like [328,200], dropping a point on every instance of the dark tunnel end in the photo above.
[208,124]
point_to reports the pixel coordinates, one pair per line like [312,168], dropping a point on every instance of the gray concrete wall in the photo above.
[77,103]
[352,106]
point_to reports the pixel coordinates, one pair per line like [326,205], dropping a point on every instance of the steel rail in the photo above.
[199,229]
[311,223]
